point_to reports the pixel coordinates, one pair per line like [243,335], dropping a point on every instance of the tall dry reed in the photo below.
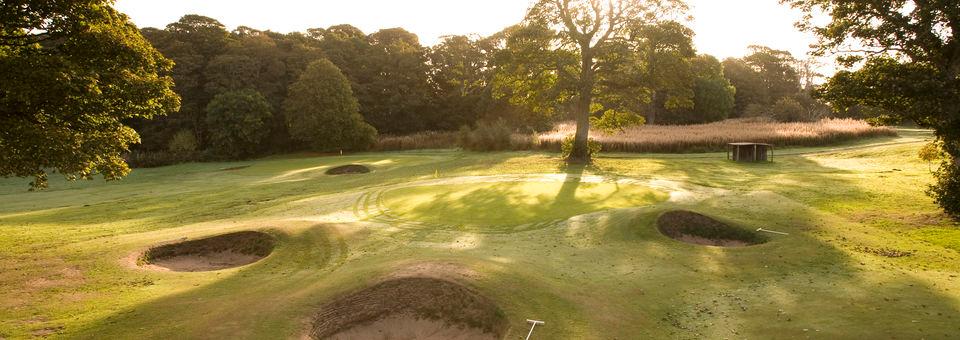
[670,138]
[715,136]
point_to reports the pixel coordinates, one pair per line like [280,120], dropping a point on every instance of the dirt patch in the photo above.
[411,308]
[213,253]
[691,227]
[885,252]
[352,169]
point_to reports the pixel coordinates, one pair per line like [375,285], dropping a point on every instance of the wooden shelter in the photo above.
[750,152]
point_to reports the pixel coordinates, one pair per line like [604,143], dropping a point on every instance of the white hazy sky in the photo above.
[724,27]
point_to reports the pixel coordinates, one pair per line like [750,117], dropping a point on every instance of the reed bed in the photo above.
[669,138]
[715,136]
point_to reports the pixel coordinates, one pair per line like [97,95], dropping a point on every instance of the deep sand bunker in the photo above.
[213,253]
[352,169]
[411,308]
[691,227]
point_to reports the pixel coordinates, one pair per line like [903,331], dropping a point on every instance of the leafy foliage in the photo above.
[566,147]
[762,78]
[184,142]
[713,95]
[322,111]
[612,121]
[73,73]
[911,68]
[588,30]
[235,121]
[488,136]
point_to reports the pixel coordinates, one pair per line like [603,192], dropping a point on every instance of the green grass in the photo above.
[513,203]
[65,272]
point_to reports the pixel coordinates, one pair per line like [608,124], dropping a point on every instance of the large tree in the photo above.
[713,95]
[322,112]
[911,68]
[397,98]
[460,76]
[661,68]
[587,28]
[72,73]
[763,77]
[236,123]
[527,76]
[192,42]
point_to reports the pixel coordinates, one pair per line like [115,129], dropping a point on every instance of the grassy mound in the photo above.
[213,253]
[513,203]
[695,228]
[352,169]
[411,302]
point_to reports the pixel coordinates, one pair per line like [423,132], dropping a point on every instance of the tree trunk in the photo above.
[654,108]
[581,153]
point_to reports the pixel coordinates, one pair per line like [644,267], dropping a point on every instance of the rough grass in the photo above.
[604,276]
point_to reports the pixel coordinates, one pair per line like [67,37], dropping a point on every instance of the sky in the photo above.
[724,28]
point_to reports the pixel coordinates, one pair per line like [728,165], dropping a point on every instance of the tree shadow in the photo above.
[610,275]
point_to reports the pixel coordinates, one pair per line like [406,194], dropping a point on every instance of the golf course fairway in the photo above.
[859,250]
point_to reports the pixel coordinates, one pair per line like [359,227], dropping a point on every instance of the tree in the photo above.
[763,77]
[665,50]
[747,81]
[911,68]
[460,74]
[193,42]
[73,72]
[236,123]
[713,95]
[322,111]
[586,28]
[777,70]
[527,74]
[397,97]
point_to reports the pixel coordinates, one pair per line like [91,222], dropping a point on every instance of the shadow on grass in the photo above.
[616,277]
[811,283]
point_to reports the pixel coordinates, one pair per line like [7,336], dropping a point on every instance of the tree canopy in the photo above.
[236,121]
[322,111]
[909,58]
[586,29]
[73,73]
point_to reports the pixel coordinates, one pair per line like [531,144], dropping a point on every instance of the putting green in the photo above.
[513,203]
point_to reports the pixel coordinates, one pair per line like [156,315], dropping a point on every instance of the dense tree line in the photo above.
[400,86]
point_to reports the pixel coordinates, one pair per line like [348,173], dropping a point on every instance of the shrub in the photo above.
[787,110]
[183,142]
[419,141]
[566,147]
[487,136]
[153,159]
[946,192]
[236,123]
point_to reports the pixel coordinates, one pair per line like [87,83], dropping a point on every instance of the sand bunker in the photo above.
[411,308]
[691,227]
[351,169]
[213,253]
